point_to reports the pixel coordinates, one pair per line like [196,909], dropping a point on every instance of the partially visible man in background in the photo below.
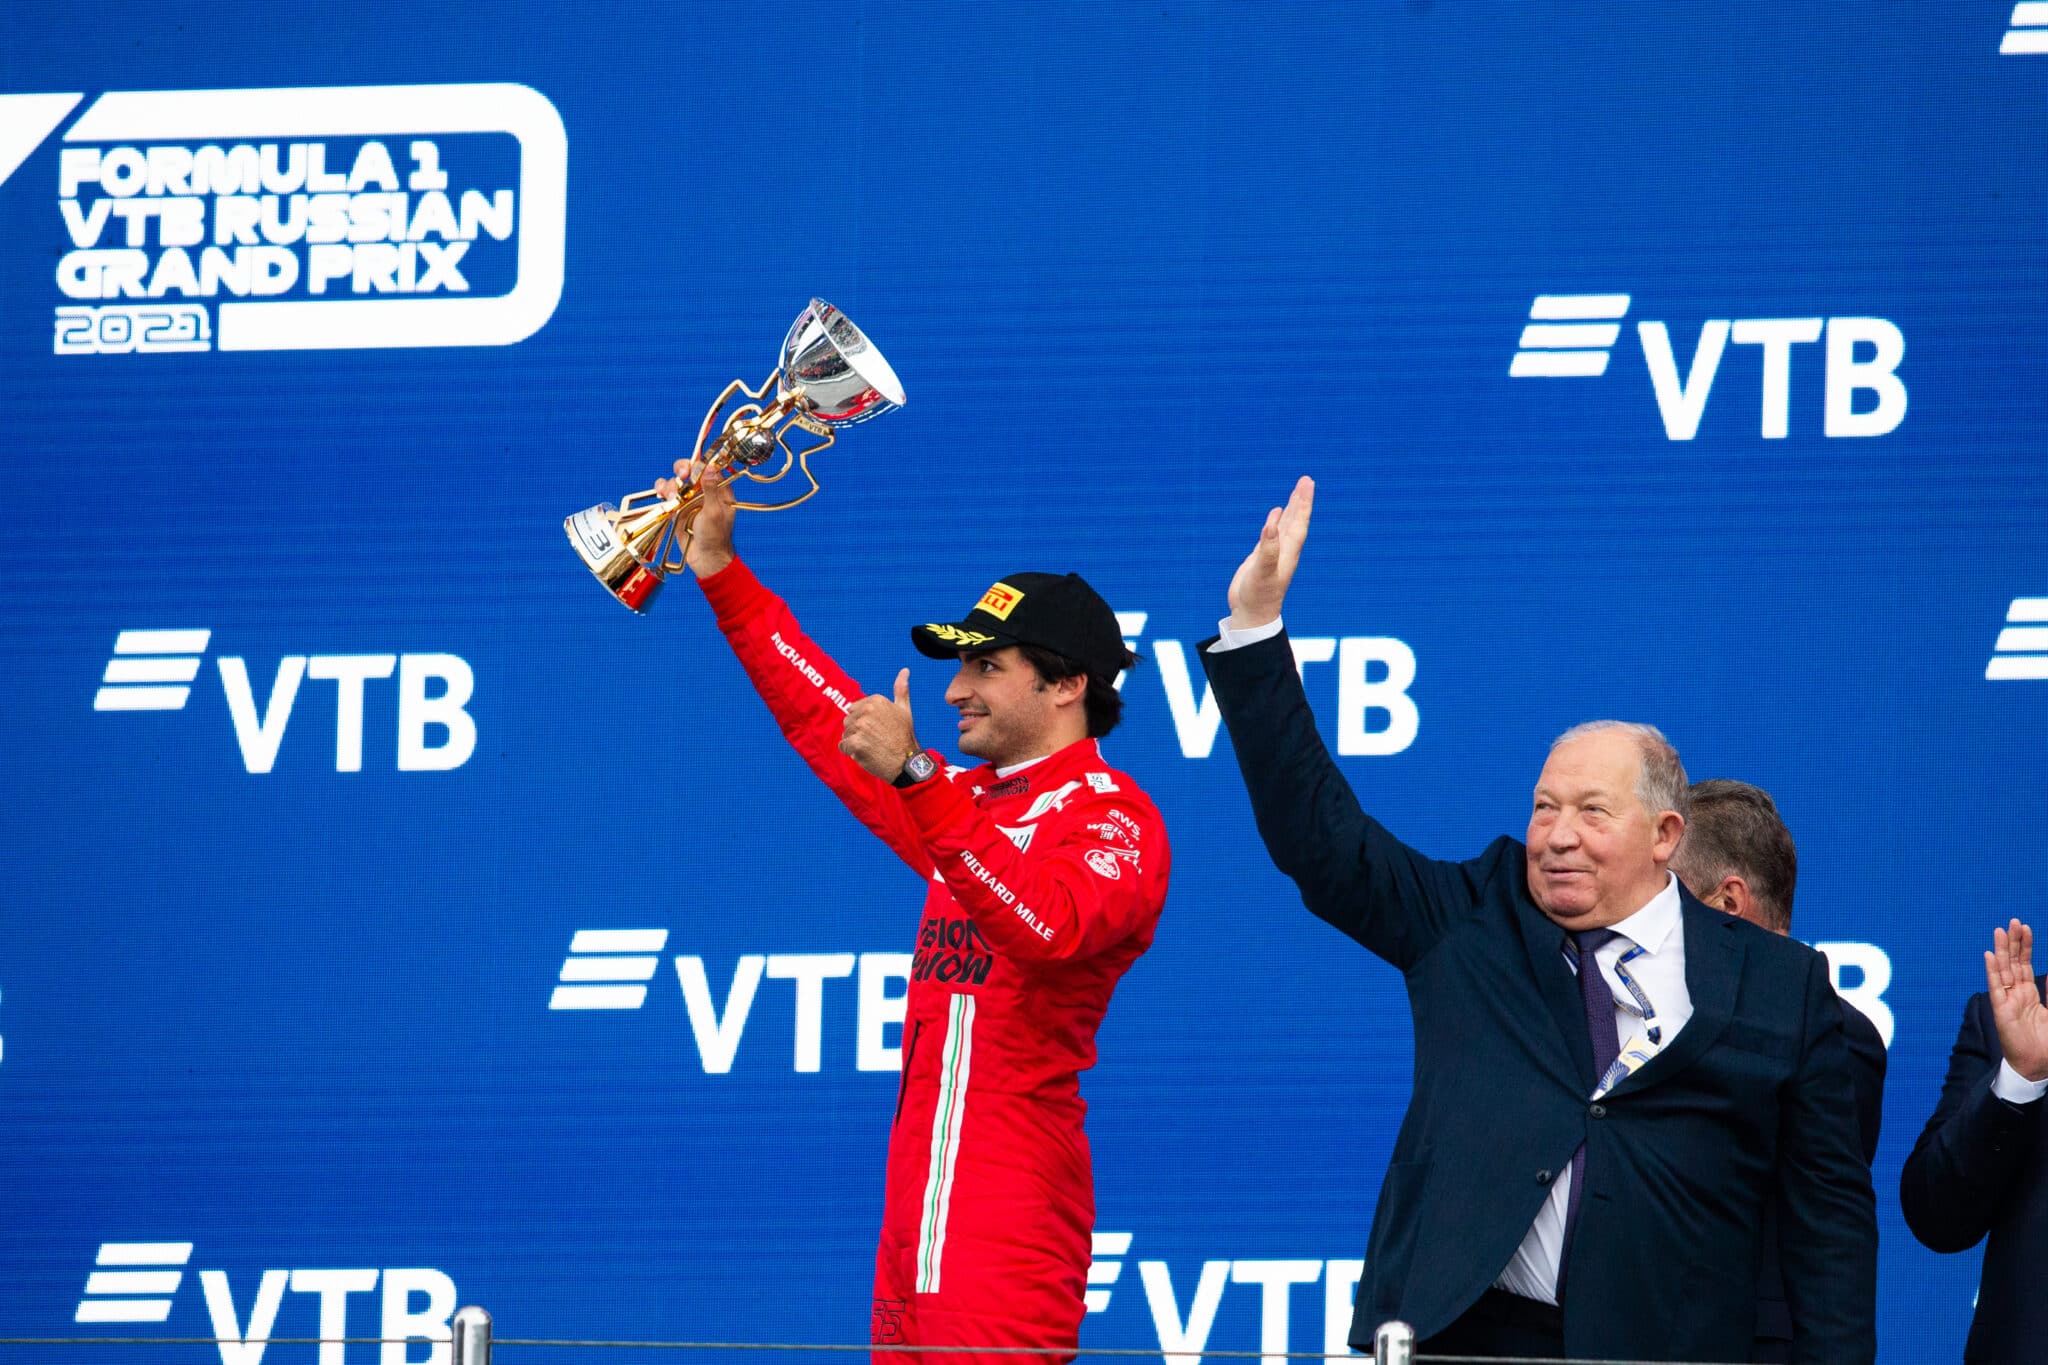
[1738,856]
[1981,1167]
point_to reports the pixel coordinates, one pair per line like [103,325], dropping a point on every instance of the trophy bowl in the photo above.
[844,379]
[829,376]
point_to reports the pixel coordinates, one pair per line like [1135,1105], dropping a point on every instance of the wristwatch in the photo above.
[916,769]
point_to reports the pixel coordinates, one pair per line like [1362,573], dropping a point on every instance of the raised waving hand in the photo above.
[2015,1003]
[1260,584]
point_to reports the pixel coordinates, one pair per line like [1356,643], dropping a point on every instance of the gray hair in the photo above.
[1660,776]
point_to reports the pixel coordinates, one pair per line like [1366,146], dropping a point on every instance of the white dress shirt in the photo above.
[1228,639]
[1658,929]
[2014,1088]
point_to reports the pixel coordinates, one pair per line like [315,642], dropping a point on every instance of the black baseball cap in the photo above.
[1055,611]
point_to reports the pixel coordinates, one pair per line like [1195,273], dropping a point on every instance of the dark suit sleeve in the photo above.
[1959,1177]
[1351,872]
[1867,1059]
[1827,1212]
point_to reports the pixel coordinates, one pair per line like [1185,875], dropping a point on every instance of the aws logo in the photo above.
[299,219]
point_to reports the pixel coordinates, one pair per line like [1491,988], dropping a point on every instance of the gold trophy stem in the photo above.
[744,432]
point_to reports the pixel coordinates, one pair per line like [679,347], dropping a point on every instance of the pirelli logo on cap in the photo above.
[999,601]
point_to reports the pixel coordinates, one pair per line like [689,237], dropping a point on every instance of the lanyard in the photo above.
[1638,1001]
[1640,1005]
[1645,1044]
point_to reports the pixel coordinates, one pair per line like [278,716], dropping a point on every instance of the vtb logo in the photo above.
[134,1282]
[1574,335]
[154,670]
[607,969]
[1184,1333]
[2021,652]
[2029,31]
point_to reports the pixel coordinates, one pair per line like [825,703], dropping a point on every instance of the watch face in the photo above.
[919,767]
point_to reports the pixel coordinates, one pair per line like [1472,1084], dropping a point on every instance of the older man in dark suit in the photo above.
[1612,1082]
[1738,857]
[1981,1167]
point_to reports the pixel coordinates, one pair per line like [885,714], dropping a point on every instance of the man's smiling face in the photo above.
[1596,854]
[1007,712]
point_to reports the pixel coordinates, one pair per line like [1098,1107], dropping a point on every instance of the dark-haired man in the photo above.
[1044,871]
[1737,856]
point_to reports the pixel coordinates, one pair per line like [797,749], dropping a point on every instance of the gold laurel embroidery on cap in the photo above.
[953,635]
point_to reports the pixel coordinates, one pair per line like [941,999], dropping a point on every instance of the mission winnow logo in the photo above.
[1575,336]
[296,219]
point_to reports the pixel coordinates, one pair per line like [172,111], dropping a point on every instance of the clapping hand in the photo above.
[1260,584]
[2015,1003]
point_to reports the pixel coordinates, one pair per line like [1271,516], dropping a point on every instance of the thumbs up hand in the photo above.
[879,734]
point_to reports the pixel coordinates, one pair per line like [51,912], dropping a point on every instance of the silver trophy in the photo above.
[830,376]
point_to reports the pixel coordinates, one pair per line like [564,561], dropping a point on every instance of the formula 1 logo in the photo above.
[155,670]
[137,1282]
[300,219]
[1573,336]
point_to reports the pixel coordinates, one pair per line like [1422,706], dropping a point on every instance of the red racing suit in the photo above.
[1040,890]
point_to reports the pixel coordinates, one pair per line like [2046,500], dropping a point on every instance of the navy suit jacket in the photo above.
[1750,1103]
[1867,1060]
[1981,1168]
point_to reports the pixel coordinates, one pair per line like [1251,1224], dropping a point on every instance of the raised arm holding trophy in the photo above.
[829,376]
[1043,872]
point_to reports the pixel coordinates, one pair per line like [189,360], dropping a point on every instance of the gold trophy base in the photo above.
[625,575]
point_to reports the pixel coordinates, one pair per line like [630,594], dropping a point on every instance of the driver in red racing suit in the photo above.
[1044,870]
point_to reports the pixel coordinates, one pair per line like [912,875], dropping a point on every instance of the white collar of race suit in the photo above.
[1090,748]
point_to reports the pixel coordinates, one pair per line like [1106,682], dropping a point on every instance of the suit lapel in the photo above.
[1713,975]
[1543,940]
